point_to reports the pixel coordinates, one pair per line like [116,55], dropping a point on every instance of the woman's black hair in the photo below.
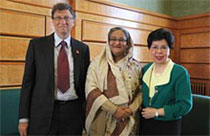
[161,34]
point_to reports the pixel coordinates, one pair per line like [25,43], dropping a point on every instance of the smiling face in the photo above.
[118,44]
[63,23]
[160,51]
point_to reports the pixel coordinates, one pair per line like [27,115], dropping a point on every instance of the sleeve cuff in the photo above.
[23,120]
[109,107]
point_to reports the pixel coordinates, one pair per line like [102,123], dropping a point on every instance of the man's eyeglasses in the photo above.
[66,18]
[121,40]
[162,48]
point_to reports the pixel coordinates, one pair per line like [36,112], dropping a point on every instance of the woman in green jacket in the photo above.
[166,88]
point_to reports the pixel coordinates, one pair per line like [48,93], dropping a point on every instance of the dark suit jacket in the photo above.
[38,87]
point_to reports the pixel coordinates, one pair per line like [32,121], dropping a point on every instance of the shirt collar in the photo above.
[166,75]
[58,40]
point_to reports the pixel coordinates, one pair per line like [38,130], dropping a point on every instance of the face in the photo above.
[160,51]
[118,44]
[63,22]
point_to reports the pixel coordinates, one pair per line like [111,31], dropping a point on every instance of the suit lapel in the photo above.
[50,57]
[76,58]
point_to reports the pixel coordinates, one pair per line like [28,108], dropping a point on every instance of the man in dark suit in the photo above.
[52,97]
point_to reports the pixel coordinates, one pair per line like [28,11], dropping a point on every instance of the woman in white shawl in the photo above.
[112,88]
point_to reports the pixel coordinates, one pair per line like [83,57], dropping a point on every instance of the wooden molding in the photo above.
[198,71]
[133,9]
[191,40]
[113,11]
[21,7]
[39,3]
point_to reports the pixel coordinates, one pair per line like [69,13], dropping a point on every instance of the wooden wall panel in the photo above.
[194,43]
[114,11]
[11,74]
[192,40]
[195,55]
[95,49]
[81,17]
[15,23]
[13,48]
[142,54]
[198,71]
[45,3]
[114,21]
[21,7]
[194,21]
[139,36]
[174,56]
[49,25]
[194,30]
[95,31]
[20,21]
[99,33]
[175,53]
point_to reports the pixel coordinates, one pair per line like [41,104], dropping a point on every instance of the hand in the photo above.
[148,112]
[22,127]
[119,114]
[122,113]
[128,111]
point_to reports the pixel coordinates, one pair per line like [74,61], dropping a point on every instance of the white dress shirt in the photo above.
[70,94]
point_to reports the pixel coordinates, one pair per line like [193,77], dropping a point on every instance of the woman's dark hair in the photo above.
[62,6]
[127,35]
[161,34]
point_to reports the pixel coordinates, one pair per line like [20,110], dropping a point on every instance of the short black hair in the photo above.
[62,6]
[161,34]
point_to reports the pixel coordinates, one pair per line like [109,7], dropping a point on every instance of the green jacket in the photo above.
[175,96]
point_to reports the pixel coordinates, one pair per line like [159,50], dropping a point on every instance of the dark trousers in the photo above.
[68,118]
[159,128]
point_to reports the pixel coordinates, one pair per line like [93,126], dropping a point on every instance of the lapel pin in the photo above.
[77,52]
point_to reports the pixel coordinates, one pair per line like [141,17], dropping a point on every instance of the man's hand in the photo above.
[22,127]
